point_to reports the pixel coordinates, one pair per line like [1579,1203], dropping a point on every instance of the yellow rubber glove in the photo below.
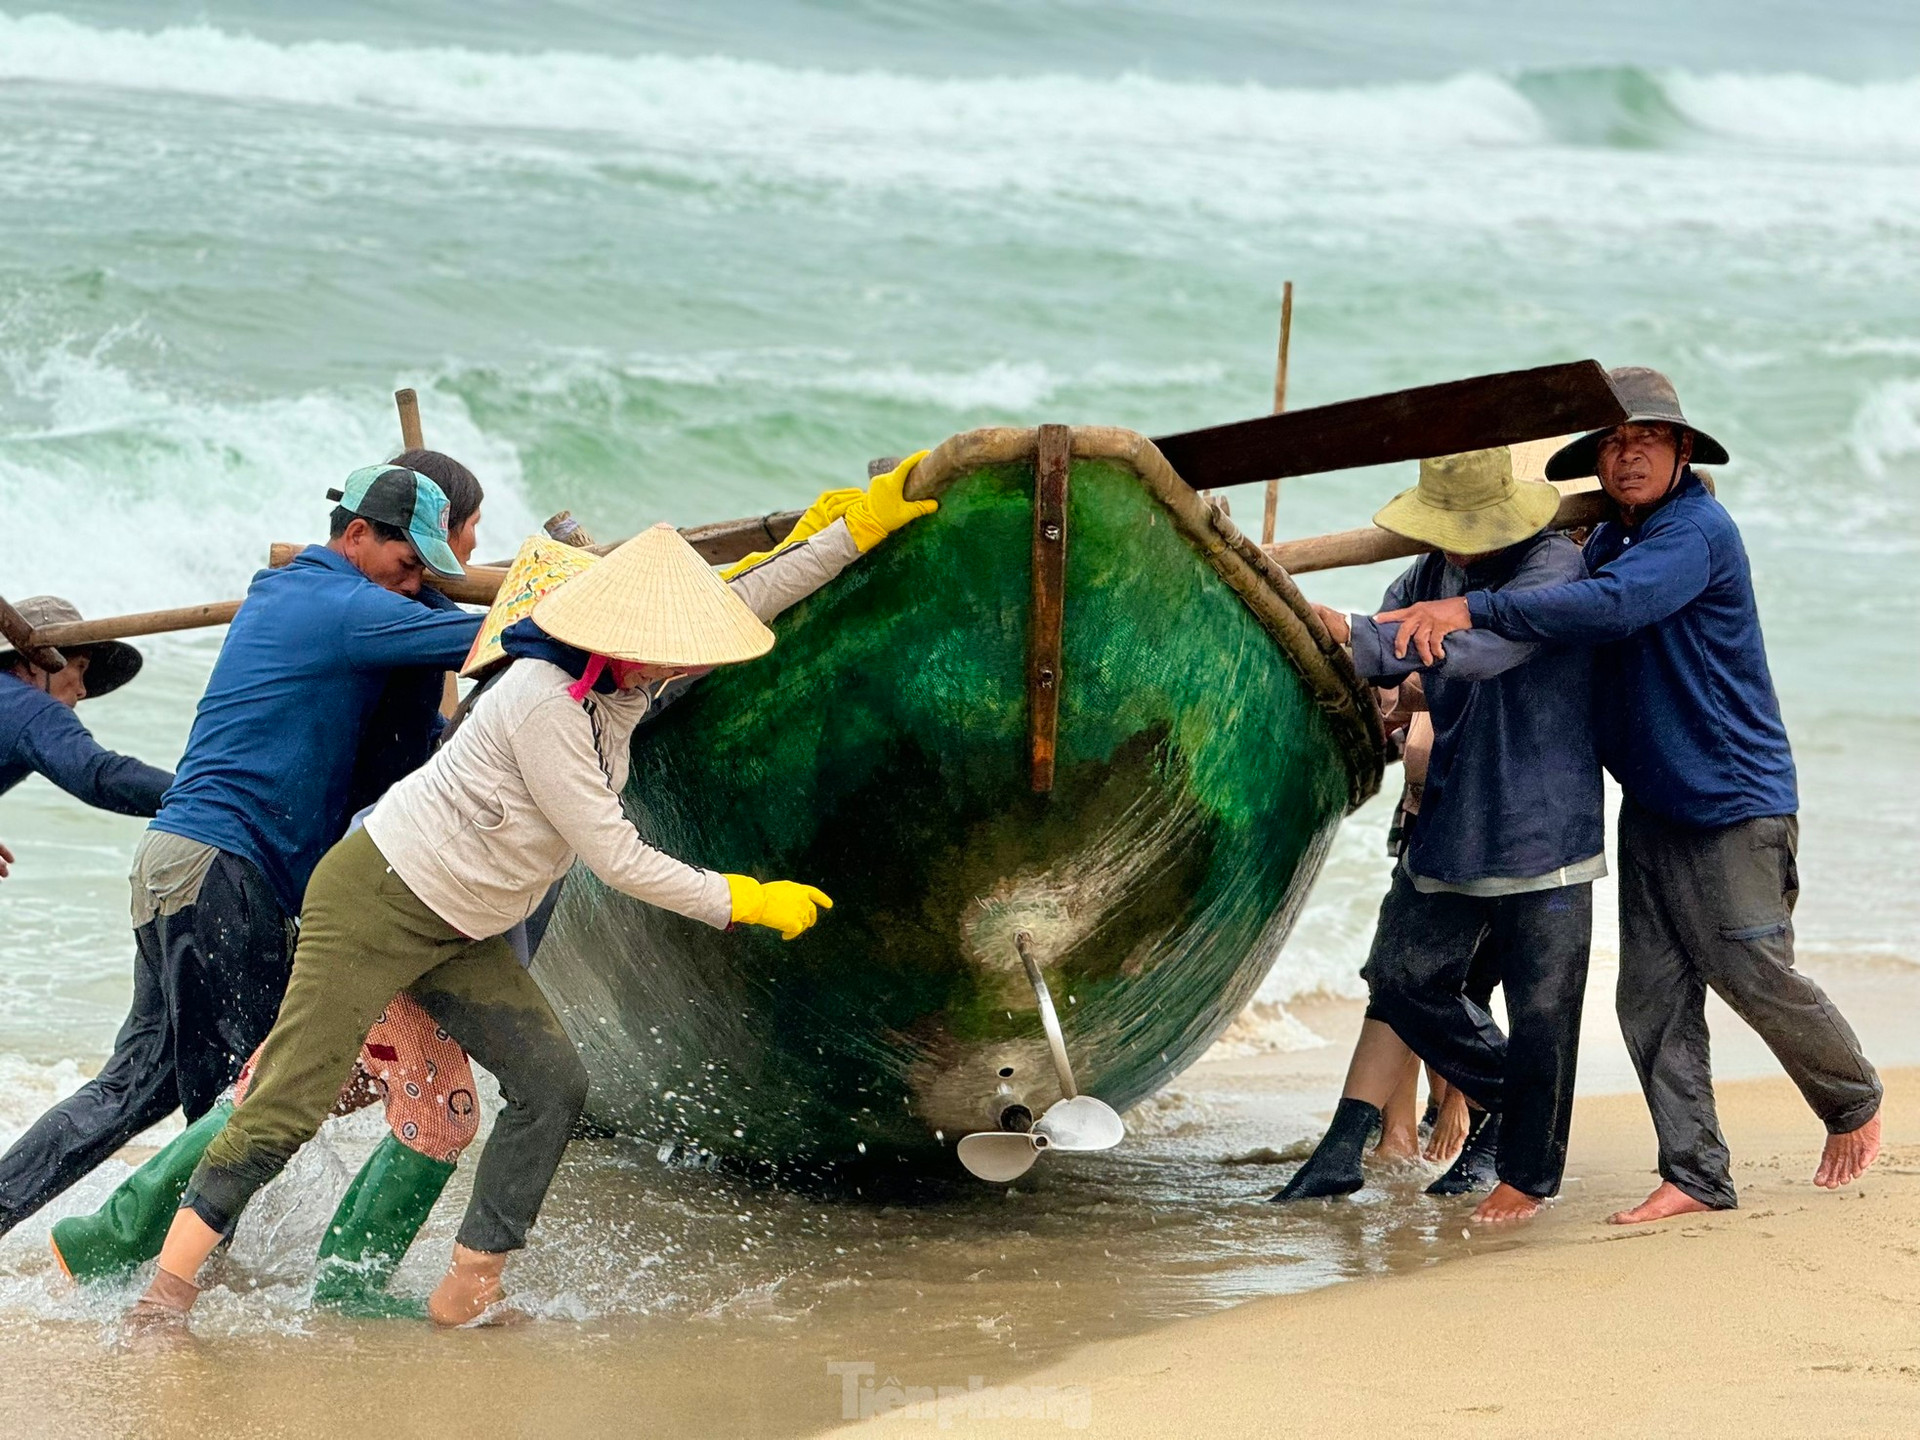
[831,505]
[783,905]
[885,508]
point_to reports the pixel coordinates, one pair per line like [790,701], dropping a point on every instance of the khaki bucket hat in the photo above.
[1470,504]
[542,564]
[654,601]
[1649,398]
[110,663]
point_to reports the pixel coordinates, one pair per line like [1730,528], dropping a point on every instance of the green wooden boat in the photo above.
[1210,738]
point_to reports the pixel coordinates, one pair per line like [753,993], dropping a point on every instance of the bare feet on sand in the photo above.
[1664,1203]
[1847,1156]
[1505,1206]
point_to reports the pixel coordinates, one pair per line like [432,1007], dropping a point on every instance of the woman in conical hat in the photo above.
[462,850]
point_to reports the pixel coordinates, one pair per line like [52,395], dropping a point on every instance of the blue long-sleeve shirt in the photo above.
[270,758]
[1685,712]
[1513,785]
[39,734]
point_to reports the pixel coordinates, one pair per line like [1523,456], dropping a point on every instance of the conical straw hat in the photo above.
[541,565]
[654,601]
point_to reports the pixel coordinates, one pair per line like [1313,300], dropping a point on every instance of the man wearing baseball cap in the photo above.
[260,795]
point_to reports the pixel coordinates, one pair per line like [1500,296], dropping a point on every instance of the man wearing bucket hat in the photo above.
[1687,721]
[1506,845]
[260,795]
[40,734]
[465,848]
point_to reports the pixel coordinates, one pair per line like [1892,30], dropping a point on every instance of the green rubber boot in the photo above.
[127,1231]
[378,1217]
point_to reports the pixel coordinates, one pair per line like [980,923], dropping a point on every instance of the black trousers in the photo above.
[1713,909]
[1417,975]
[207,982]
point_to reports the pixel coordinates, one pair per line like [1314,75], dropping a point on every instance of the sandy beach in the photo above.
[1793,1315]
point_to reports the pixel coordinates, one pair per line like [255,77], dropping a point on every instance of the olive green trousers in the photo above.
[363,937]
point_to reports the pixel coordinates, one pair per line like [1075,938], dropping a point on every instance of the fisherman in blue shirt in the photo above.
[1504,851]
[261,794]
[1686,720]
[40,734]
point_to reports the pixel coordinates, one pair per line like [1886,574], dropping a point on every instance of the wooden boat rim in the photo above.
[1262,584]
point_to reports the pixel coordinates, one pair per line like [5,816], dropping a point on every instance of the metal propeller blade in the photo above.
[998,1156]
[1081,1123]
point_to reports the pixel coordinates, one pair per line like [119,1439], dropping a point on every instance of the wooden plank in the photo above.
[1365,547]
[1046,621]
[19,633]
[1413,424]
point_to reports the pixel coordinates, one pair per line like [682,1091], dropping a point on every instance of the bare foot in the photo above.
[1398,1144]
[1663,1204]
[1449,1129]
[1506,1206]
[1847,1156]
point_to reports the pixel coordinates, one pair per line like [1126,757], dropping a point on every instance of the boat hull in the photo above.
[881,752]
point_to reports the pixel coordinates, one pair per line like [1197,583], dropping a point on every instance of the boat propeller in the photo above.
[1077,1122]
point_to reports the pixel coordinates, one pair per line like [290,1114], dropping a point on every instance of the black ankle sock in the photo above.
[1474,1170]
[1334,1166]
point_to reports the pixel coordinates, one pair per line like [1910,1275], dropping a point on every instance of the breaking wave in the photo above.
[813,122]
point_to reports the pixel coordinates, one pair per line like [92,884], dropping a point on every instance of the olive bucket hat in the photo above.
[1649,398]
[110,663]
[1470,504]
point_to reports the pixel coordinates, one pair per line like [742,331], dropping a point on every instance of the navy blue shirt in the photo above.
[1685,713]
[270,760]
[38,733]
[1513,785]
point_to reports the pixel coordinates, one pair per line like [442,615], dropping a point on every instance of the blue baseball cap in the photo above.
[406,500]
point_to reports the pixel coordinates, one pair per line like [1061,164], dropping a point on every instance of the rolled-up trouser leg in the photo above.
[1662,1004]
[1731,894]
[492,1007]
[1543,939]
[363,936]
[1416,975]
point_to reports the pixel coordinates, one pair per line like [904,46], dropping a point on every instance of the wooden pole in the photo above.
[1365,547]
[408,404]
[568,531]
[1279,404]
[19,632]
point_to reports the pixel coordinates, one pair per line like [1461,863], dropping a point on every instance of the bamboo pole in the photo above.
[1279,404]
[20,634]
[408,404]
[1578,507]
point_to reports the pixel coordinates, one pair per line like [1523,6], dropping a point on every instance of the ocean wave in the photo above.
[1886,428]
[717,102]
[181,494]
[808,122]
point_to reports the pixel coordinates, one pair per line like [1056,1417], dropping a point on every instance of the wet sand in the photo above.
[684,1303]
[1793,1315]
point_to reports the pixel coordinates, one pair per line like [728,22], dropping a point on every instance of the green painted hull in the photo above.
[880,752]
